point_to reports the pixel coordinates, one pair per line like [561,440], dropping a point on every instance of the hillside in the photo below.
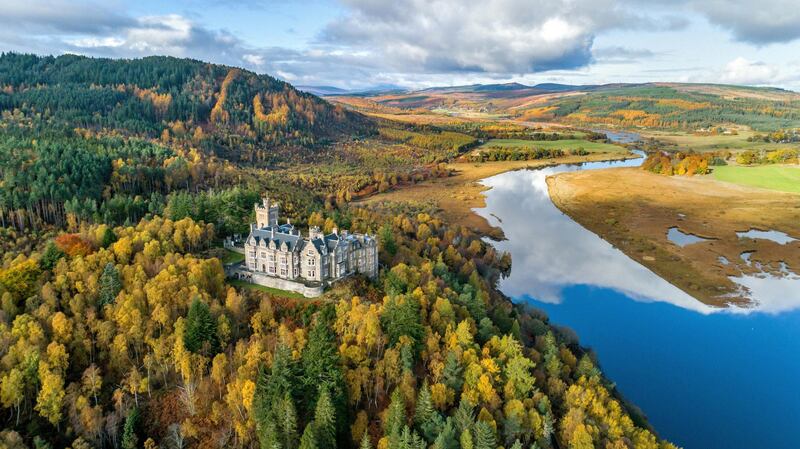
[234,113]
[652,105]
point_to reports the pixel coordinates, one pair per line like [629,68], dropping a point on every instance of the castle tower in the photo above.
[266,213]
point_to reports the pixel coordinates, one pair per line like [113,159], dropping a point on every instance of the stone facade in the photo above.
[279,251]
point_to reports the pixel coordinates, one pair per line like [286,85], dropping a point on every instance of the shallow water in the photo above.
[706,377]
[781,238]
[681,238]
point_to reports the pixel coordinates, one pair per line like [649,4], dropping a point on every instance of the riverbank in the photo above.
[456,196]
[634,209]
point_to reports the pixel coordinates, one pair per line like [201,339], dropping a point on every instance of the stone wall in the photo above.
[309,291]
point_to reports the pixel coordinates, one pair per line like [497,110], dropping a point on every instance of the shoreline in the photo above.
[456,196]
[633,211]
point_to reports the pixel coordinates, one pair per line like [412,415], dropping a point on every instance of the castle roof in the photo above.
[278,234]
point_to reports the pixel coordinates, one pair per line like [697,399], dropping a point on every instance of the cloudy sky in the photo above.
[420,43]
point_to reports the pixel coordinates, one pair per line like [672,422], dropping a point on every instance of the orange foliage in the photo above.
[218,113]
[73,245]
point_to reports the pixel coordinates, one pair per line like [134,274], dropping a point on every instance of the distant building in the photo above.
[278,256]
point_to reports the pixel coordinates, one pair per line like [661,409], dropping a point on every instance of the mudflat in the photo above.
[633,209]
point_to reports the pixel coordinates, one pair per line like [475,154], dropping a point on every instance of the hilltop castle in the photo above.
[278,256]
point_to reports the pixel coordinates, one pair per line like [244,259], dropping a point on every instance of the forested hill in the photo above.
[236,113]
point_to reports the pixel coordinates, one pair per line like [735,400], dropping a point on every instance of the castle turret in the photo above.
[266,213]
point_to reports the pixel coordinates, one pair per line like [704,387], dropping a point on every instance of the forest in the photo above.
[118,328]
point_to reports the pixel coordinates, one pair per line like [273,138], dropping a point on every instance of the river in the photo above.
[706,378]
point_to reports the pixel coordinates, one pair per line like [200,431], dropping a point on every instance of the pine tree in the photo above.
[464,416]
[288,422]
[108,238]
[466,439]
[426,418]
[320,362]
[309,438]
[484,436]
[396,415]
[453,372]
[110,285]
[325,421]
[201,329]
[365,441]
[51,256]
[446,439]
[129,438]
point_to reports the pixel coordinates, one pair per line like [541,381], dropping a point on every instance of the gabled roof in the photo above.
[266,235]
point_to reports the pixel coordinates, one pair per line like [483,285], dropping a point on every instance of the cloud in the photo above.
[743,71]
[621,55]
[762,22]
[482,36]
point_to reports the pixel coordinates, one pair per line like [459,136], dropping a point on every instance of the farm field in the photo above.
[593,147]
[785,178]
[719,142]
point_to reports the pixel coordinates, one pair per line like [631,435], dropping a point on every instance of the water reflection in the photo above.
[681,238]
[551,252]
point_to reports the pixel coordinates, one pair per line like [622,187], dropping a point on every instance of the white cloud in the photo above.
[761,22]
[480,36]
[743,71]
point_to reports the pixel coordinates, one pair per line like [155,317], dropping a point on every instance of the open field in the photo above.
[457,195]
[633,209]
[567,144]
[785,178]
[719,142]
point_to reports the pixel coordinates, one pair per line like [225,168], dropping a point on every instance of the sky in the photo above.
[358,44]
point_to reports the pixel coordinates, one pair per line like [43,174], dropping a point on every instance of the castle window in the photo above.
[311,273]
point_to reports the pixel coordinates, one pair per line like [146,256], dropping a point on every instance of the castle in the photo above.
[278,256]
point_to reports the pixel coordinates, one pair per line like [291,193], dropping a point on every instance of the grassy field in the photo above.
[704,143]
[232,257]
[273,291]
[592,147]
[776,177]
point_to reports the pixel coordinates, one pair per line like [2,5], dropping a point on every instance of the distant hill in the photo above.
[657,105]
[226,108]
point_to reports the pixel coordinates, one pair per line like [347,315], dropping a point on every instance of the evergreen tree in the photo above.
[110,284]
[325,420]
[51,256]
[484,436]
[201,329]
[321,369]
[129,438]
[446,439]
[288,422]
[365,441]
[453,373]
[466,440]
[108,238]
[427,420]
[309,438]
[464,416]
[396,415]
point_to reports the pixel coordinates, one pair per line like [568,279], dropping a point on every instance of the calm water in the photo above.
[707,378]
